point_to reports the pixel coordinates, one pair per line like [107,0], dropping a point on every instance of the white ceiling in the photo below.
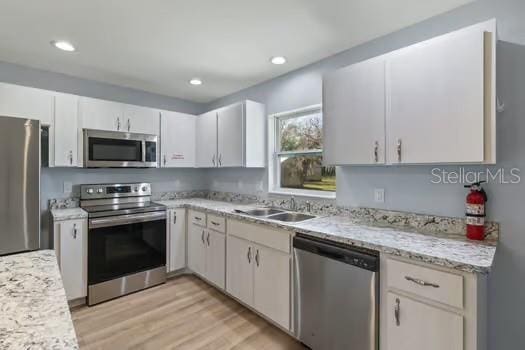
[158,45]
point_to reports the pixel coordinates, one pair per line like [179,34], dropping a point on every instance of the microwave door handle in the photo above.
[143,152]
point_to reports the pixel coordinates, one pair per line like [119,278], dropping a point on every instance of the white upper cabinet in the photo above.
[177,140]
[437,102]
[207,140]
[354,114]
[101,115]
[66,130]
[432,102]
[24,102]
[142,120]
[232,136]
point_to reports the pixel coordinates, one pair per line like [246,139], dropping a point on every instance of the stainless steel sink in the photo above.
[291,217]
[262,211]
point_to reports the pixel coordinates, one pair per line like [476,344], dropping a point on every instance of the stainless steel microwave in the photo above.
[113,149]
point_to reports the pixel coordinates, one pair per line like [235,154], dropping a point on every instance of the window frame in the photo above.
[274,153]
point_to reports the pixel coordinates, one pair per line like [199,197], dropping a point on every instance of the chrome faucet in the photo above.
[293,205]
[308,206]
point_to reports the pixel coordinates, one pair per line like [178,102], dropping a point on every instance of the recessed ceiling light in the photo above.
[278,60]
[63,45]
[196,81]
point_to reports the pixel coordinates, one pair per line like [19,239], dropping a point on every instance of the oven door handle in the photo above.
[126,219]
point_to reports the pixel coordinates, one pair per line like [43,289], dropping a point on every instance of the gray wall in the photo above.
[409,187]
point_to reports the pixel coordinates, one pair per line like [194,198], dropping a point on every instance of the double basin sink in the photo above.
[277,214]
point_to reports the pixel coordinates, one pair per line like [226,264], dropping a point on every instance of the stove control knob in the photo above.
[144,188]
[90,191]
[136,189]
[100,190]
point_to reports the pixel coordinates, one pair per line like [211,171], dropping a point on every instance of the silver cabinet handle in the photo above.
[220,159]
[118,123]
[398,148]
[249,255]
[421,282]
[257,257]
[376,152]
[71,157]
[208,239]
[197,218]
[164,160]
[174,218]
[75,231]
[213,160]
[129,125]
[202,238]
[397,312]
[215,223]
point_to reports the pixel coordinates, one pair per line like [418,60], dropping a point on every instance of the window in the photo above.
[296,148]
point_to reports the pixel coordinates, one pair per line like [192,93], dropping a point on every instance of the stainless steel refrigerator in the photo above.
[19,185]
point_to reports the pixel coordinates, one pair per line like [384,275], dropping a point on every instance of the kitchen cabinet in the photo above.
[176,239]
[354,114]
[424,306]
[141,120]
[206,250]
[178,133]
[66,130]
[232,136]
[101,115]
[207,140]
[414,325]
[25,102]
[431,102]
[258,270]
[70,243]
[239,269]
[437,101]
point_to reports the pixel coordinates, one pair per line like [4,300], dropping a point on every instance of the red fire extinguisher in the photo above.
[475,211]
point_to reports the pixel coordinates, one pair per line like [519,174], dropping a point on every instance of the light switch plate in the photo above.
[379,195]
[68,187]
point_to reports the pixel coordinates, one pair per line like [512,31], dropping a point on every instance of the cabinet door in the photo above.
[354,114]
[421,326]
[436,109]
[271,291]
[176,239]
[73,254]
[177,140]
[207,140]
[196,249]
[230,138]
[24,102]
[101,115]
[216,258]
[239,269]
[66,130]
[141,120]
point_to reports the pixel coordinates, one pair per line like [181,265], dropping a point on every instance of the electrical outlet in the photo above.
[68,187]
[379,195]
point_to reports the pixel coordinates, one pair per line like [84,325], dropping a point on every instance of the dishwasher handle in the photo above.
[345,255]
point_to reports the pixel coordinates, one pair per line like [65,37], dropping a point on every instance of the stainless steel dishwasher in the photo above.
[336,295]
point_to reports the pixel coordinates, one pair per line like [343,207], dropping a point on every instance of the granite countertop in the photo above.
[68,214]
[459,254]
[33,303]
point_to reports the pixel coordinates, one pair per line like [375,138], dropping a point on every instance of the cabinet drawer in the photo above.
[216,223]
[443,287]
[197,218]
[267,236]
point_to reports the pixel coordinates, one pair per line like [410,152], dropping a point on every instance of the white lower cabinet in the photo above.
[176,240]
[70,242]
[414,325]
[258,275]
[206,250]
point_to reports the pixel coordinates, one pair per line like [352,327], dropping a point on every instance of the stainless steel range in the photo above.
[126,239]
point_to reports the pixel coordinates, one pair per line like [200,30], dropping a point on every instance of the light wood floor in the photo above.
[184,313]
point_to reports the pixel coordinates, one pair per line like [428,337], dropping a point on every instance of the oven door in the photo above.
[108,149]
[125,244]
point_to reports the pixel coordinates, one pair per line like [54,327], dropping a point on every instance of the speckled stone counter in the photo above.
[452,252]
[68,214]
[34,313]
